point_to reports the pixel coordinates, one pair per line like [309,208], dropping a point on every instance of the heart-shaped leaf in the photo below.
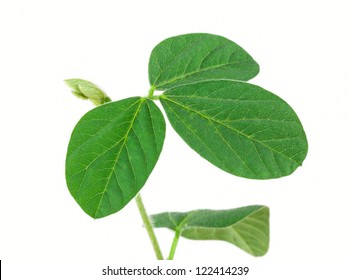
[245,227]
[111,153]
[241,128]
[195,57]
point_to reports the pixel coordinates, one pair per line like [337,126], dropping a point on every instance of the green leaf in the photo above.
[195,57]
[241,128]
[87,90]
[245,227]
[112,151]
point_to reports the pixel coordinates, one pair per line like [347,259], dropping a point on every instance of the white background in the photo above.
[302,48]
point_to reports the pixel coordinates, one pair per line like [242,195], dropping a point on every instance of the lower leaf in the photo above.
[246,227]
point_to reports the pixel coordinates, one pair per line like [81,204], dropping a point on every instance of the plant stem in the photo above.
[174,245]
[149,227]
[151,92]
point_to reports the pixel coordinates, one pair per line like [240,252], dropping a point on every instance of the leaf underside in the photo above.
[241,128]
[245,227]
[195,57]
[111,153]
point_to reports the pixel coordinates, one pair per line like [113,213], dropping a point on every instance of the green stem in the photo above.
[149,227]
[151,92]
[155,97]
[174,245]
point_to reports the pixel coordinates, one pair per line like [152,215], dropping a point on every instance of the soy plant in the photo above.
[239,127]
